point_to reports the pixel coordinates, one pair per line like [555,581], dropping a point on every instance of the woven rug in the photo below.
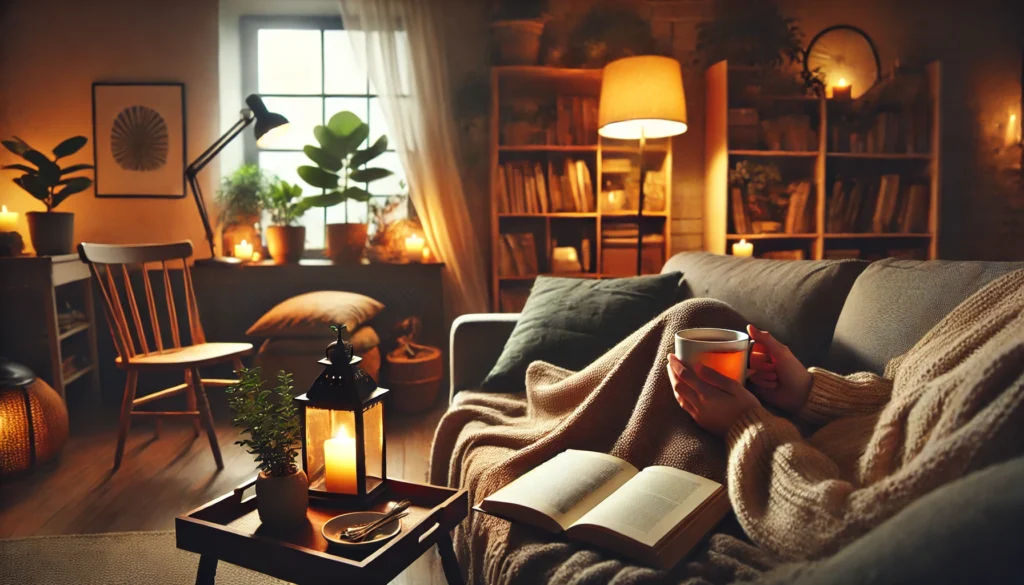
[120,558]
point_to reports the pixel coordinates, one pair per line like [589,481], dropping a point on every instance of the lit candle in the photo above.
[842,90]
[340,463]
[426,254]
[743,249]
[414,248]
[8,220]
[243,250]
[1012,134]
[256,257]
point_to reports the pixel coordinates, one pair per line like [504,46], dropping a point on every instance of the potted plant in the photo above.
[759,190]
[271,420]
[284,202]
[609,31]
[52,232]
[338,160]
[240,199]
[516,28]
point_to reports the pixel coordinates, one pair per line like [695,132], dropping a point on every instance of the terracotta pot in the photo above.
[52,232]
[286,243]
[414,381]
[346,242]
[282,501]
[517,42]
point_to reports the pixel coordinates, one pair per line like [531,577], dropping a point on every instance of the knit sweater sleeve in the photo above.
[834,396]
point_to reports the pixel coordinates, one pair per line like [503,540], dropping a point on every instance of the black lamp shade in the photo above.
[265,119]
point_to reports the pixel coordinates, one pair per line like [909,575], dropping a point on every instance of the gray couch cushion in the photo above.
[797,301]
[895,302]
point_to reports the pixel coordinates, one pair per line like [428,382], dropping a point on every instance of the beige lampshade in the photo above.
[642,96]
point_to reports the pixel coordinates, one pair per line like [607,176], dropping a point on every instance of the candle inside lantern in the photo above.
[8,220]
[842,90]
[743,249]
[1011,138]
[243,250]
[340,463]
[414,248]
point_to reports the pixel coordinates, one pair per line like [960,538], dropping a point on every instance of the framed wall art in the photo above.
[139,139]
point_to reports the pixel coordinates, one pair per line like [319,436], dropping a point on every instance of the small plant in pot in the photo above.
[240,199]
[285,205]
[52,232]
[271,420]
[338,160]
[516,29]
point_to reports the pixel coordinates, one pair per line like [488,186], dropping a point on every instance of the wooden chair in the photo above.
[153,352]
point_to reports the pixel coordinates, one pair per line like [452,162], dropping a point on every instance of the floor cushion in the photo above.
[311,314]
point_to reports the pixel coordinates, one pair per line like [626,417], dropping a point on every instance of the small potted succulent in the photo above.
[516,28]
[271,420]
[240,199]
[285,205]
[338,160]
[52,232]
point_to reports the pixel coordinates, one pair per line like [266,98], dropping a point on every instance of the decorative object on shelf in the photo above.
[842,91]
[642,98]
[52,232]
[33,419]
[271,420]
[342,429]
[844,52]
[285,205]
[243,251]
[755,195]
[610,31]
[516,28]
[268,124]
[743,249]
[390,226]
[564,259]
[338,159]
[414,246]
[240,199]
[11,243]
[139,139]
[414,370]
[8,220]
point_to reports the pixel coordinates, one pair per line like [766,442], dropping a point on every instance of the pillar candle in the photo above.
[340,463]
[842,90]
[243,251]
[414,248]
[743,249]
[8,220]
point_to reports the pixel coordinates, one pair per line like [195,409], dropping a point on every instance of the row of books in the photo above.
[799,218]
[524,188]
[517,255]
[575,121]
[877,205]
[889,132]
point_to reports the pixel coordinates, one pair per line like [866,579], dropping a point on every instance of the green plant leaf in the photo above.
[344,123]
[322,158]
[356,138]
[33,186]
[71,186]
[69,146]
[16,146]
[75,169]
[18,167]
[331,143]
[318,177]
[368,175]
[326,200]
[361,157]
[49,172]
[356,193]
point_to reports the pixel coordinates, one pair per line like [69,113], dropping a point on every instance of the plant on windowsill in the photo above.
[271,420]
[52,232]
[516,28]
[240,199]
[285,205]
[338,160]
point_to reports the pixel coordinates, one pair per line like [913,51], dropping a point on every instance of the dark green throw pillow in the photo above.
[570,322]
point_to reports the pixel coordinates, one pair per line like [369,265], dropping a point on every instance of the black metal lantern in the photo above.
[342,418]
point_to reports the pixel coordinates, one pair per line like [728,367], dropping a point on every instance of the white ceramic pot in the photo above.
[282,501]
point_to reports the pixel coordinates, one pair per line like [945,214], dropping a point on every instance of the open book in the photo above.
[655,516]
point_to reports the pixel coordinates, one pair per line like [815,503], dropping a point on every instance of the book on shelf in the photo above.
[517,255]
[655,515]
[524,187]
[740,220]
[914,216]
[784,255]
[575,121]
[798,210]
[879,205]
[885,207]
[513,299]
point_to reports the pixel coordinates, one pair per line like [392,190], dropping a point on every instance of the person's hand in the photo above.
[714,400]
[777,376]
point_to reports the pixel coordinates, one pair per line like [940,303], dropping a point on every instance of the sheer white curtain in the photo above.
[405,59]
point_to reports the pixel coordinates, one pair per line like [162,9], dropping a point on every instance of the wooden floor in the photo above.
[162,478]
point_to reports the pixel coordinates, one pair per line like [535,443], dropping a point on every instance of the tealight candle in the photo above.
[842,90]
[243,251]
[414,246]
[340,463]
[8,220]
[743,249]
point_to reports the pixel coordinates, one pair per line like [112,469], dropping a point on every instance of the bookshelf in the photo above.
[542,117]
[827,157]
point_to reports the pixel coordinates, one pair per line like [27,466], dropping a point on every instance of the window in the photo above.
[305,69]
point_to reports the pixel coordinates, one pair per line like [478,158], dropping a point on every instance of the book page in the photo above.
[563,488]
[651,504]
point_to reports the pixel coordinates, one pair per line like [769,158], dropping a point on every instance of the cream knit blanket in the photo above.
[955,406]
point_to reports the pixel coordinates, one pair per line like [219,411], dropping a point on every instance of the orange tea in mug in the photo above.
[723,350]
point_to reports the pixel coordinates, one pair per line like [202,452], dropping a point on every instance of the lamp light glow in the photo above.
[642,97]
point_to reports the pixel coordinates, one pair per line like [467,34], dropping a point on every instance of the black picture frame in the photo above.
[103,165]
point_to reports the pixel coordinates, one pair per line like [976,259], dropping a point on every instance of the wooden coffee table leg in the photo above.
[450,564]
[207,573]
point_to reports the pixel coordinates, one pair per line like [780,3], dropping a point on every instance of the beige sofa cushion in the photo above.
[312,314]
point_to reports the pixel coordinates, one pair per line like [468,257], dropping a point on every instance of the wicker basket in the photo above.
[414,381]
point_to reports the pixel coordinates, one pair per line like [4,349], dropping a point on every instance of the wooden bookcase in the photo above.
[821,165]
[545,85]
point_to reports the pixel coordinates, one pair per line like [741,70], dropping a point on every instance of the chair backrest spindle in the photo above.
[154,321]
[171,310]
[134,306]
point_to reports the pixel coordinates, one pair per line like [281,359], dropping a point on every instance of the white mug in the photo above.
[723,350]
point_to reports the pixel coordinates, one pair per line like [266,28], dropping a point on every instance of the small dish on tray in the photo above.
[333,528]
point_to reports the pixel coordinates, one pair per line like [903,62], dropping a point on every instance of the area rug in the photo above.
[120,558]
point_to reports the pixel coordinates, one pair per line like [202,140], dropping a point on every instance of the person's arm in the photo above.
[833,396]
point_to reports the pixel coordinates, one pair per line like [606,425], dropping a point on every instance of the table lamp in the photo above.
[268,124]
[642,97]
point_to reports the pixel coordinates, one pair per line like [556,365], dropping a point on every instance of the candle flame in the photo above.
[4,207]
[244,243]
[842,82]
[343,433]
[742,241]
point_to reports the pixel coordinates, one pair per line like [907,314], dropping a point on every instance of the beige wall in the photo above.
[51,51]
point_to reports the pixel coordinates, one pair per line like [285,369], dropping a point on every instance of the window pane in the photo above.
[358,211]
[284,165]
[343,72]
[302,113]
[389,185]
[378,126]
[357,106]
[289,61]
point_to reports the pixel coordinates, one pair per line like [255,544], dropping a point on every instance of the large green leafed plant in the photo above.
[48,181]
[284,202]
[338,160]
[270,418]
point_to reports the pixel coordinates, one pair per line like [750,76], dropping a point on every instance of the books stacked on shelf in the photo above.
[784,255]
[513,299]
[517,255]
[902,132]
[799,218]
[877,205]
[525,188]
[575,121]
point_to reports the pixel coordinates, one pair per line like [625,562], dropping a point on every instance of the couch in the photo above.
[846,316]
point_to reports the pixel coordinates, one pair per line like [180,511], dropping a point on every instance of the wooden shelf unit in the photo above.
[510,81]
[720,158]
